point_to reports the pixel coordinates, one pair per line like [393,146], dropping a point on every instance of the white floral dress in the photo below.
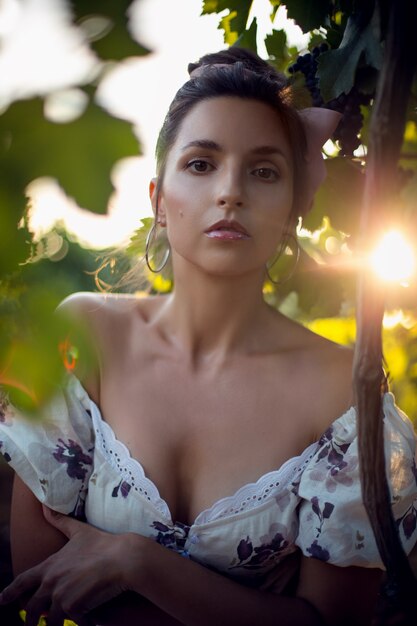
[73,463]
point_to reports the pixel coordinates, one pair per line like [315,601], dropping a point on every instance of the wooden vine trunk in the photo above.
[381,188]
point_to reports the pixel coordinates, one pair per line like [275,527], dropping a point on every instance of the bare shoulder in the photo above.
[100,310]
[331,366]
[325,371]
[91,304]
[100,323]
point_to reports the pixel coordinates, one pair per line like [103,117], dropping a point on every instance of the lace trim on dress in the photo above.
[252,495]
[131,471]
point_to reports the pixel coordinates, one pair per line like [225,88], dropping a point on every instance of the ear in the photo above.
[156,201]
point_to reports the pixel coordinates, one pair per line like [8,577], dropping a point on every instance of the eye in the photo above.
[267,173]
[199,166]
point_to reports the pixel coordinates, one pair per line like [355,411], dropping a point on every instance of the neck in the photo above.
[213,317]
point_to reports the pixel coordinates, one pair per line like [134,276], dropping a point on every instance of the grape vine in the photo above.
[349,105]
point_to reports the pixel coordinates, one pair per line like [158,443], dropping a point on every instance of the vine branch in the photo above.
[386,135]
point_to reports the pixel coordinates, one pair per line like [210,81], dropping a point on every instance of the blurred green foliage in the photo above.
[400,352]
[80,155]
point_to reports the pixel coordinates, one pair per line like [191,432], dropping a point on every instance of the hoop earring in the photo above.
[150,238]
[282,248]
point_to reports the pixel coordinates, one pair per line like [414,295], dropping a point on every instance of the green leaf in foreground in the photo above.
[79,154]
[137,243]
[106,26]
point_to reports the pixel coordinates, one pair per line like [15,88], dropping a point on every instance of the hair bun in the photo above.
[243,57]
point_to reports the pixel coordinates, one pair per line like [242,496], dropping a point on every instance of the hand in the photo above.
[87,572]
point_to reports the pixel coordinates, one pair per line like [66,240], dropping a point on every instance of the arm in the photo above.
[197,596]
[28,523]
[181,588]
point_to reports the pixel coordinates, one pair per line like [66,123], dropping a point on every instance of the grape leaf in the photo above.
[275,6]
[320,291]
[116,42]
[80,154]
[276,44]
[229,35]
[337,68]
[280,55]
[308,15]
[213,6]
[137,243]
[248,38]
[339,197]
[237,19]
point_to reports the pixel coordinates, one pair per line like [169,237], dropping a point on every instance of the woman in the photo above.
[242,420]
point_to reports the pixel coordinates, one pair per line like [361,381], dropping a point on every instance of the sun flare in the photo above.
[393,259]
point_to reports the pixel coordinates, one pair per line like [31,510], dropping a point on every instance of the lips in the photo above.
[228,226]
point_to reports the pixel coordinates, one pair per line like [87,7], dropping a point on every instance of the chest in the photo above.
[200,437]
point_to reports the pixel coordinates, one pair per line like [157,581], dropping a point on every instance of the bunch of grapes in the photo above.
[349,105]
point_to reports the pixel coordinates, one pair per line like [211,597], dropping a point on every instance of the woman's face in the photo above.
[228,187]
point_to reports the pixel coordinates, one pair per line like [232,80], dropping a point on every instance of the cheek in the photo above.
[276,220]
[184,199]
[175,205]
[278,211]
[180,215]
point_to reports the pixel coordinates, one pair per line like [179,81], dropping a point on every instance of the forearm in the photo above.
[130,608]
[197,596]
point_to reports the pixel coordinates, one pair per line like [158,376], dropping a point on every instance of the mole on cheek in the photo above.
[181,214]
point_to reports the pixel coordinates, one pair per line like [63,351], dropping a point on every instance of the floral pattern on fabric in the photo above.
[322,514]
[408,522]
[4,454]
[72,461]
[318,552]
[72,454]
[53,455]
[333,523]
[123,488]
[172,537]
[339,468]
[272,545]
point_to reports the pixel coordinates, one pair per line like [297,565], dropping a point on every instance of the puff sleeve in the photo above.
[333,523]
[53,456]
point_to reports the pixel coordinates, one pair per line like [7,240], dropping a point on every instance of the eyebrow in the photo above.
[208,144]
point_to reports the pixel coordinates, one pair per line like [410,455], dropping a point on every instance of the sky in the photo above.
[140,90]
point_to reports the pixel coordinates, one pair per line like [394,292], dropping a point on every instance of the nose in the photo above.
[229,201]
[230,192]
